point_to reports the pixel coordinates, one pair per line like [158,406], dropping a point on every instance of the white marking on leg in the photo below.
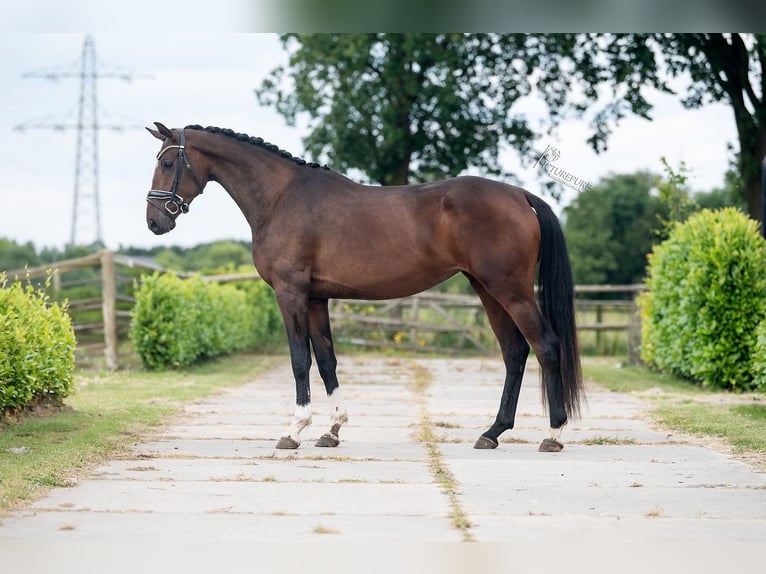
[555,434]
[338,413]
[301,420]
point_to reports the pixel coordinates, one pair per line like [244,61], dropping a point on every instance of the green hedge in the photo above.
[176,322]
[36,348]
[759,358]
[706,297]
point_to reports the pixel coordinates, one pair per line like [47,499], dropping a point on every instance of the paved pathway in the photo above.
[214,474]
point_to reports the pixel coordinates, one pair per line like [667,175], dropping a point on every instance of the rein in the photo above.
[174,203]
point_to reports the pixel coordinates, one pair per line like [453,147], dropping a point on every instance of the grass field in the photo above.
[737,419]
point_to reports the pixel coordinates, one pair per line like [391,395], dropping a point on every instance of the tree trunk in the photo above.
[751,149]
[400,175]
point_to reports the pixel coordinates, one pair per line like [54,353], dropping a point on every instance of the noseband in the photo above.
[174,203]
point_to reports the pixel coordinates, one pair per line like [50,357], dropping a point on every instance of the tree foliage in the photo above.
[215,257]
[730,194]
[728,68]
[724,68]
[403,107]
[611,227]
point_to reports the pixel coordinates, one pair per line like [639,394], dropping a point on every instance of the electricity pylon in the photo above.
[86,208]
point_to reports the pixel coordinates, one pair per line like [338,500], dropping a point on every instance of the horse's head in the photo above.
[174,184]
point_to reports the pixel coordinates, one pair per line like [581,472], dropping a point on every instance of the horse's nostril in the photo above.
[152,224]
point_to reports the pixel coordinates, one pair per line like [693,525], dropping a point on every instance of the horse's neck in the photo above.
[255,181]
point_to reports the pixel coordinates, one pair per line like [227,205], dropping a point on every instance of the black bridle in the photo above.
[174,203]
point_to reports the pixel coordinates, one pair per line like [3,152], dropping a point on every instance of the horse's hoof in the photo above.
[328,439]
[550,445]
[485,443]
[288,443]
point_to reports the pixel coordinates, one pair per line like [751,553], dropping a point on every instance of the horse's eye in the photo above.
[167,164]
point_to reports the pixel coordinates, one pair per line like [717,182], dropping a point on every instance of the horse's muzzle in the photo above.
[167,224]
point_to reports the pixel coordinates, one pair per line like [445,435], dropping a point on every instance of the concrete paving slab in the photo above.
[120,496]
[639,533]
[595,501]
[688,459]
[214,474]
[255,449]
[266,470]
[627,471]
[216,527]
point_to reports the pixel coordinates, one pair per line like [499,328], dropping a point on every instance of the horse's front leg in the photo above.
[294,308]
[321,340]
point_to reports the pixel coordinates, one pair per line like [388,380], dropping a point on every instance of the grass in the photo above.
[607,440]
[104,415]
[742,426]
[439,470]
[739,420]
[616,376]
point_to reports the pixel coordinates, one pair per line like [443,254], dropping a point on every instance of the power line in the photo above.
[86,209]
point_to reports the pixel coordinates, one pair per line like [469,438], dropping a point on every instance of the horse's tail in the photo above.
[556,299]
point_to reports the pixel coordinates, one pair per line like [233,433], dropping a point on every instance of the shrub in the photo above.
[706,296]
[267,325]
[37,348]
[759,358]
[176,322]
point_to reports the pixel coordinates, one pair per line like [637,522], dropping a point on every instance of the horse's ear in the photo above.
[161,133]
[155,133]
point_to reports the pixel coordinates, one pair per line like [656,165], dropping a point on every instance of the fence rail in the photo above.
[421,321]
[429,321]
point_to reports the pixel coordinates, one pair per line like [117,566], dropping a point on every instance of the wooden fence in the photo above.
[429,321]
[435,321]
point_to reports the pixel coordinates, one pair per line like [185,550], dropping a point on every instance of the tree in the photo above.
[407,106]
[611,227]
[730,195]
[208,258]
[14,256]
[728,68]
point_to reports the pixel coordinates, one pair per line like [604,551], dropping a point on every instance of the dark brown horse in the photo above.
[318,235]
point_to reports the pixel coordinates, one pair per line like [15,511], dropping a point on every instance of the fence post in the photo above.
[634,333]
[599,320]
[109,309]
[414,329]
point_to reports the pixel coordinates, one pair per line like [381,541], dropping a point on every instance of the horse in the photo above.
[318,235]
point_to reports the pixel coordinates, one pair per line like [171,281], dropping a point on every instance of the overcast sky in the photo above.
[209,79]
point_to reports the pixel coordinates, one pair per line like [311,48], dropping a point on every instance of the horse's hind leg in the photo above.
[538,332]
[524,313]
[321,340]
[515,351]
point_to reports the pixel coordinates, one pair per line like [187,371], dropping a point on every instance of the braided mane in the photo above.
[259,142]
